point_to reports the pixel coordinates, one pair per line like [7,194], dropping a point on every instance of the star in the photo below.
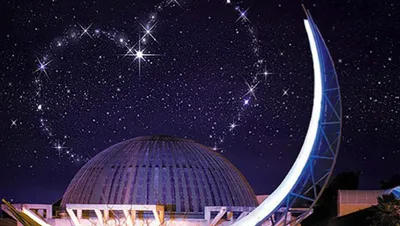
[174,1]
[85,30]
[265,73]
[139,55]
[232,126]
[59,147]
[246,102]
[13,123]
[215,148]
[285,92]
[147,31]
[242,15]
[252,89]
[42,67]
[129,52]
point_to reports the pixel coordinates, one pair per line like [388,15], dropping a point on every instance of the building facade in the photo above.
[151,180]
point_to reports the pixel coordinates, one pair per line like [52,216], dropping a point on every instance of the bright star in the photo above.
[242,15]
[42,66]
[265,73]
[129,52]
[215,148]
[246,101]
[139,55]
[232,126]
[174,1]
[147,31]
[13,123]
[252,89]
[285,92]
[85,30]
[59,147]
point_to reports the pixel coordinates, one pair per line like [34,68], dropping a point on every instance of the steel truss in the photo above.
[320,156]
[318,171]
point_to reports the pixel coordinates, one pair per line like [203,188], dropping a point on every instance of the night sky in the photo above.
[79,76]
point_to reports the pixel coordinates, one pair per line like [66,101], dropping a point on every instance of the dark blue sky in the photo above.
[90,93]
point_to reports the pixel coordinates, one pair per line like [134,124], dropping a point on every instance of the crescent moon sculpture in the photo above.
[313,166]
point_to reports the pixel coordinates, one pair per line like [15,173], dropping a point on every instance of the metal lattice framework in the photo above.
[314,165]
[179,173]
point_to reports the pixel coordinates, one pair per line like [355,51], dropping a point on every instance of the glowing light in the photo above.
[246,102]
[148,31]
[215,148]
[13,123]
[129,52]
[232,126]
[273,201]
[285,92]
[42,67]
[251,89]
[174,1]
[242,15]
[139,55]
[265,73]
[85,30]
[59,147]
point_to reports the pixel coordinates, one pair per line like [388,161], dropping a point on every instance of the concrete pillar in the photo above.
[128,217]
[106,215]
[49,212]
[79,213]
[99,217]
[229,216]
[162,216]
[73,217]
[133,216]
[41,212]
[207,214]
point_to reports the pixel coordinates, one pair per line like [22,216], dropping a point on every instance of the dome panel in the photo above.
[181,174]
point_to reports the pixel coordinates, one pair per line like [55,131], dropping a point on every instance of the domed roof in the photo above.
[394,191]
[181,174]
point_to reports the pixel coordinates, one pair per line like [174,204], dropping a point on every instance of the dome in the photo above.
[180,174]
[394,191]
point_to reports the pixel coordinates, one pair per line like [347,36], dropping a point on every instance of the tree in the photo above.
[387,212]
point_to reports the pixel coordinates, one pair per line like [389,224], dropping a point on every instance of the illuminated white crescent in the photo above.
[267,208]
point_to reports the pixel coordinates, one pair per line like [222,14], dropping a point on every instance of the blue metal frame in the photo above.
[316,175]
[325,151]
